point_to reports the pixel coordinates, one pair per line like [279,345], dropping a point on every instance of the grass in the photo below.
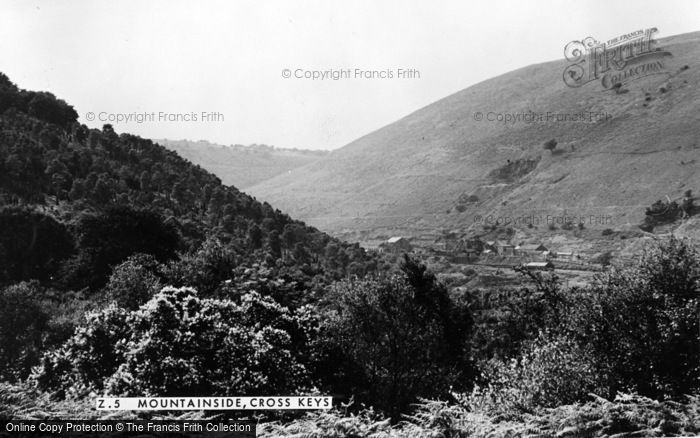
[626,416]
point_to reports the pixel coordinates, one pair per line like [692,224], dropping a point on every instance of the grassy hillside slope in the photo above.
[440,168]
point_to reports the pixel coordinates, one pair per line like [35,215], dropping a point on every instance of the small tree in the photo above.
[132,283]
[550,145]
[550,371]
[643,324]
[403,334]
[22,324]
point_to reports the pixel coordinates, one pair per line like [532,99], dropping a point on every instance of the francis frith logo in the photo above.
[617,61]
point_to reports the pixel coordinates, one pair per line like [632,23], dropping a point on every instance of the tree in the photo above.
[9,94]
[22,324]
[77,190]
[179,192]
[644,322]
[46,107]
[300,254]
[216,204]
[688,205]
[274,243]
[550,145]
[254,236]
[404,334]
[106,239]
[33,245]
[132,282]
[102,192]
[204,269]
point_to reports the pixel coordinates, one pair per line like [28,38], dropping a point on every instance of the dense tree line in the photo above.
[111,192]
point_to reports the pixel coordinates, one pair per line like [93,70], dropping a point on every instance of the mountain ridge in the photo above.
[240,165]
[425,162]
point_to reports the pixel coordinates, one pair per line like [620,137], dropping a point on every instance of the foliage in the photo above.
[506,319]
[22,323]
[205,269]
[625,416]
[661,212]
[643,322]
[636,329]
[76,204]
[108,238]
[83,177]
[22,401]
[513,170]
[32,245]
[179,344]
[550,371]
[550,145]
[403,335]
[132,282]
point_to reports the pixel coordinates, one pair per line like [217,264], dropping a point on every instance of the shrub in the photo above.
[205,269]
[550,371]
[661,212]
[550,144]
[132,283]
[643,322]
[180,345]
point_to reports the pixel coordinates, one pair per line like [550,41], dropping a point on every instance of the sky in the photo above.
[216,70]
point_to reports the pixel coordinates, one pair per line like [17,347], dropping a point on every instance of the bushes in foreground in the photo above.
[551,371]
[404,337]
[635,330]
[180,345]
[642,323]
[384,341]
[389,341]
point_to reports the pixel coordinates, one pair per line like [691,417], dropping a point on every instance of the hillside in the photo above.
[75,202]
[242,166]
[438,169]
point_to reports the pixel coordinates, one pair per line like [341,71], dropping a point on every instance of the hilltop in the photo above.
[242,166]
[439,170]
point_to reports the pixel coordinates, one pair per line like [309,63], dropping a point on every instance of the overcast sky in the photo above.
[228,57]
